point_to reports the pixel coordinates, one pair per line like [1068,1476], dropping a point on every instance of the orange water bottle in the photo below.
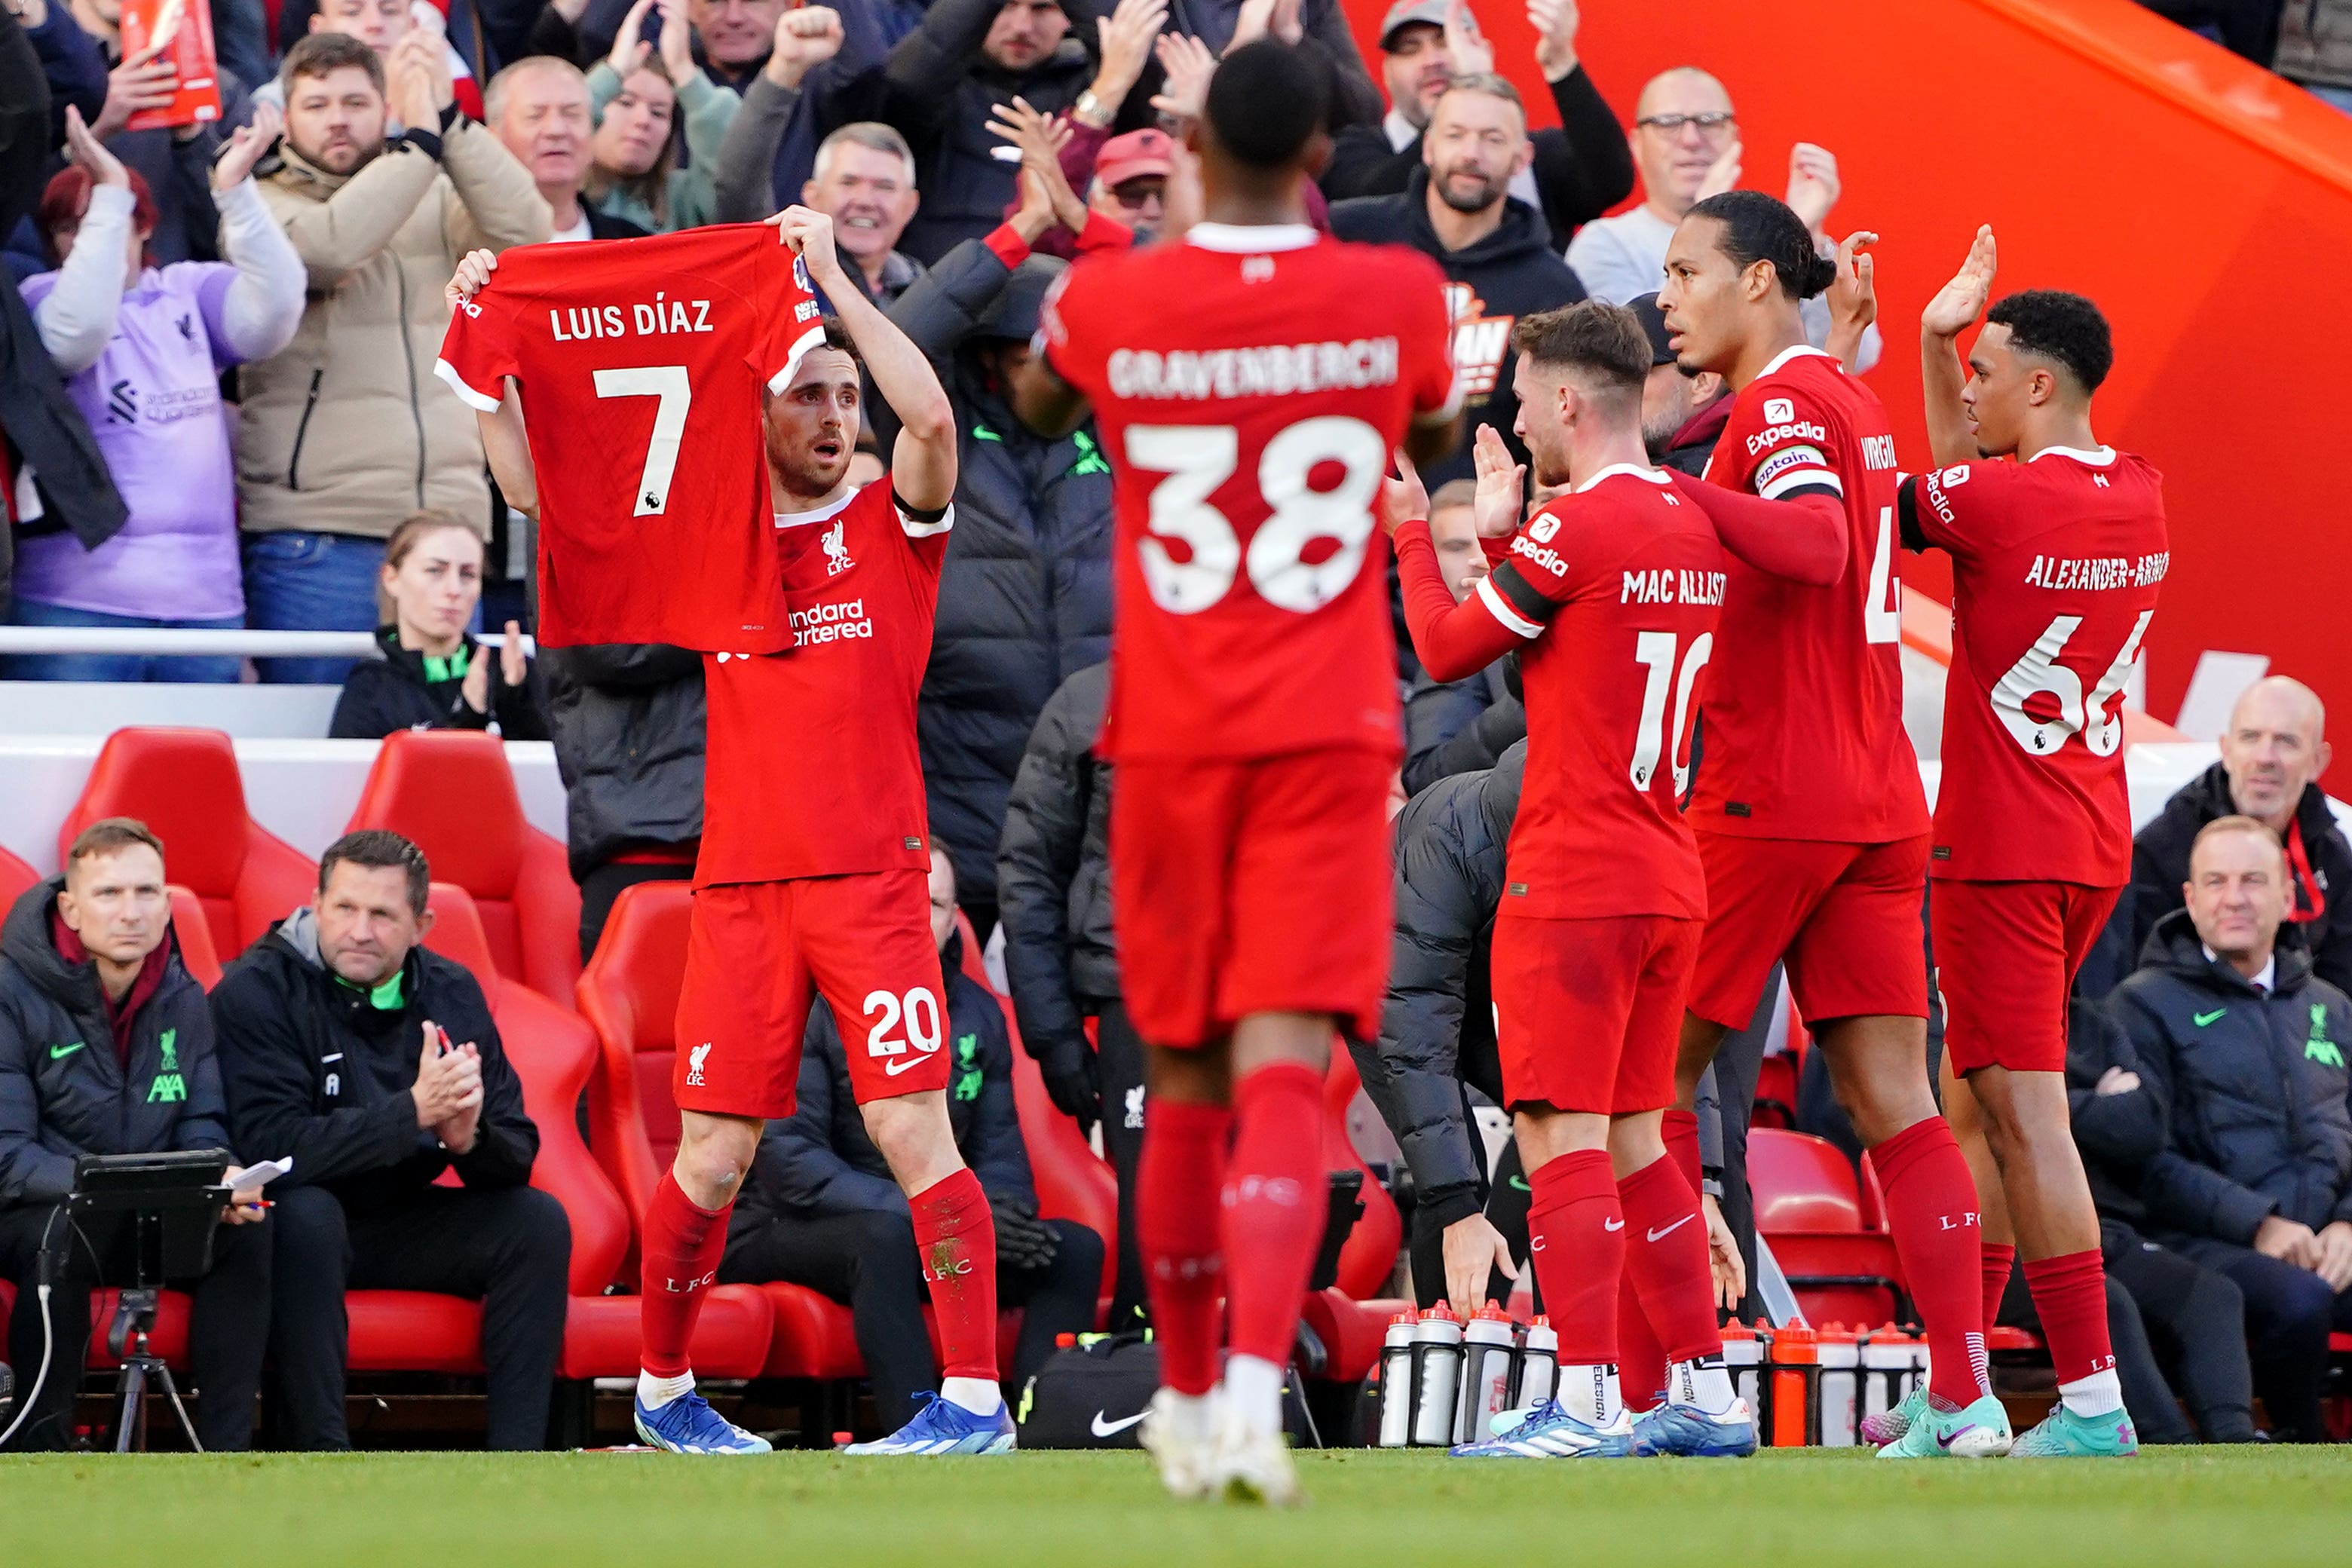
[1795,1372]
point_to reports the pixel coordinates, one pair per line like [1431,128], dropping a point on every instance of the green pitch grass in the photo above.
[2239,1507]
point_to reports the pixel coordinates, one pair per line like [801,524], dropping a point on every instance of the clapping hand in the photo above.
[1125,37]
[1403,499]
[87,153]
[1813,184]
[1185,64]
[247,146]
[1501,484]
[1958,303]
[1723,174]
[1040,140]
[1467,52]
[1853,292]
[1555,23]
[630,49]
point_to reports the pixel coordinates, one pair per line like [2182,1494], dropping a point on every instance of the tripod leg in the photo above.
[164,1376]
[134,1405]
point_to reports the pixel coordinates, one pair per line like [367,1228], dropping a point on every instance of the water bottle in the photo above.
[1743,1354]
[1841,1355]
[1436,1377]
[1538,1366]
[1795,1372]
[1885,1369]
[1487,1352]
[1396,1381]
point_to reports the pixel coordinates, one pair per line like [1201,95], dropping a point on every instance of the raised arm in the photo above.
[923,459]
[1503,613]
[1802,539]
[504,440]
[1952,311]
[262,308]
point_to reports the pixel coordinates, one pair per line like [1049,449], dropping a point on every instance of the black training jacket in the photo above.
[1460,726]
[398,692]
[315,1071]
[64,1092]
[2119,1135]
[2256,1084]
[1053,875]
[628,725]
[2160,867]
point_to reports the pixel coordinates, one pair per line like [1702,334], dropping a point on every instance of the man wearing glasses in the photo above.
[1686,145]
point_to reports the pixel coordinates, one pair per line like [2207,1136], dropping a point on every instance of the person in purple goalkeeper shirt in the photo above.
[142,348]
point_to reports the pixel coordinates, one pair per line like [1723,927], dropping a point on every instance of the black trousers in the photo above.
[2148,1396]
[1119,1056]
[228,1331]
[508,1249]
[867,1261]
[1738,1063]
[600,887]
[2196,1318]
[2290,1312]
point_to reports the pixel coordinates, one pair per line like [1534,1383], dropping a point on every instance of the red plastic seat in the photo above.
[195,933]
[1351,1331]
[170,1339]
[1874,1197]
[1800,1182]
[1776,1092]
[453,793]
[1370,1254]
[628,997]
[15,876]
[184,785]
[554,1052]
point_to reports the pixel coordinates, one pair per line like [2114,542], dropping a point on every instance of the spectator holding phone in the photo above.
[142,348]
[434,675]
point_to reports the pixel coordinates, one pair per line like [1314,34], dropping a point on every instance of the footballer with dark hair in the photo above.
[2056,559]
[1251,378]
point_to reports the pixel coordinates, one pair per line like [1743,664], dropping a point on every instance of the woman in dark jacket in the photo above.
[432,674]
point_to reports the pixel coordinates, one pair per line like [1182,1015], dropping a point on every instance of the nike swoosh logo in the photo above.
[58,1052]
[2205,1019]
[1105,1428]
[902,1064]
[1945,1439]
[1661,1235]
[1607,1224]
[1521,1183]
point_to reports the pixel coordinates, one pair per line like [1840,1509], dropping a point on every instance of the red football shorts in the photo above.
[755,954]
[1256,885]
[1589,1011]
[2006,953]
[1844,918]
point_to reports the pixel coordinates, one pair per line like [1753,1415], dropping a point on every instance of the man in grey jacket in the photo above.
[347,431]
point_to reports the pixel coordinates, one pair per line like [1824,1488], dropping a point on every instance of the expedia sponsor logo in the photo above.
[1778,410]
[1542,555]
[1788,430]
[830,623]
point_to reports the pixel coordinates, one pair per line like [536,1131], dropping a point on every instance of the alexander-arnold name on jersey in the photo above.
[1272,370]
[1671,585]
[2094,574]
[660,317]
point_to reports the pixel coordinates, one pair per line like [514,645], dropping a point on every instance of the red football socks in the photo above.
[1931,1207]
[1640,1362]
[2070,1294]
[2000,1257]
[1577,1236]
[1273,1206]
[1176,1218]
[1681,1131]
[1666,1258]
[683,1242]
[955,1236]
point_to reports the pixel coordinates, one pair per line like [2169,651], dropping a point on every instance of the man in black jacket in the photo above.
[821,1209]
[1496,251]
[2272,756]
[1061,957]
[1579,171]
[105,1048]
[627,723]
[2245,1044]
[375,1066]
[1024,597]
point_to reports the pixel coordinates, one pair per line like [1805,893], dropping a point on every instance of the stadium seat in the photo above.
[1800,1182]
[1776,1092]
[197,950]
[453,792]
[1370,1255]
[554,1052]
[628,995]
[1810,1211]
[15,876]
[169,1341]
[185,785]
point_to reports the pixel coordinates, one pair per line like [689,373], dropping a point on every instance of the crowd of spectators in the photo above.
[219,412]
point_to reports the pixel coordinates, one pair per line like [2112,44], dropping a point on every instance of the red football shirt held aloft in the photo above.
[813,769]
[641,363]
[1802,734]
[1250,385]
[2056,568]
[1615,588]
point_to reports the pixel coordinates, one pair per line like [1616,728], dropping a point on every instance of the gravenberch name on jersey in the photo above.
[1274,370]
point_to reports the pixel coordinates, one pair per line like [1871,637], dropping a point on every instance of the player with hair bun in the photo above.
[1809,811]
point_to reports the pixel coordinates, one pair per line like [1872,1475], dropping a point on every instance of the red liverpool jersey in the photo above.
[641,363]
[1802,733]
[1249,383]
[813,769]
[2056,566]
